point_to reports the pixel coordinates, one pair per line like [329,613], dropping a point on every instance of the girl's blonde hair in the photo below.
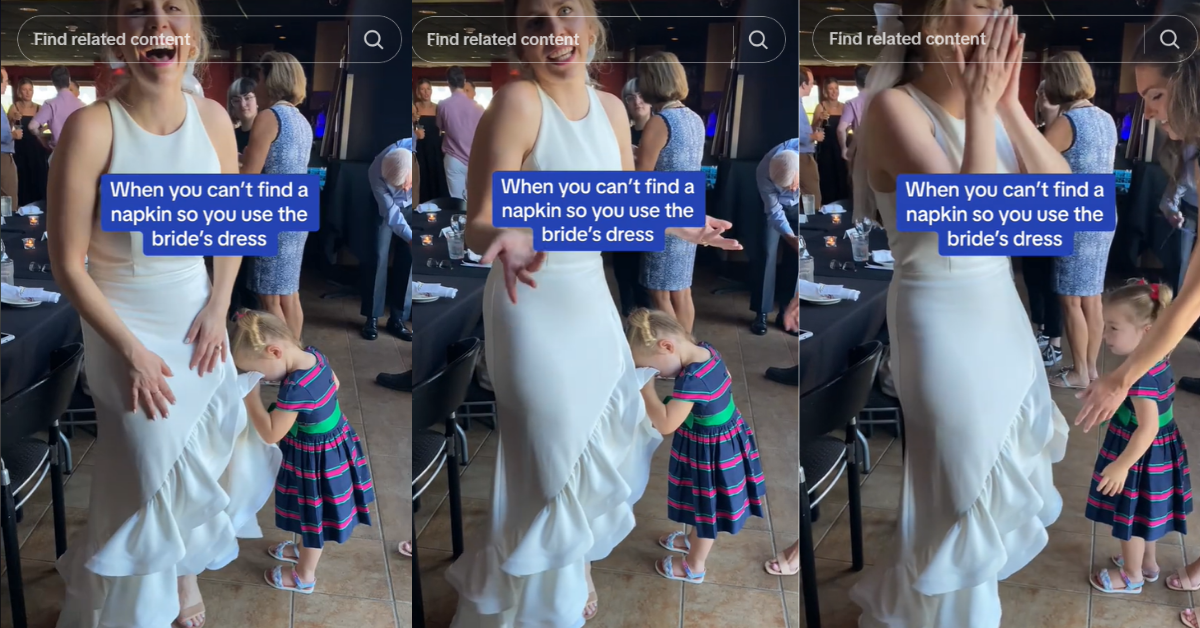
[595,24]
[647,327]
[1145,300]
[255,331]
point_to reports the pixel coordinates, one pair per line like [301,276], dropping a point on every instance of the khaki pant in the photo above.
[810,178]
[8,177]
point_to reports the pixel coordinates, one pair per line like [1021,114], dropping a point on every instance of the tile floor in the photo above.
[1052,590]
[362,584]
[736,591]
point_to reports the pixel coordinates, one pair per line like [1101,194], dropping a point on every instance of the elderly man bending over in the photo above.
[778,177]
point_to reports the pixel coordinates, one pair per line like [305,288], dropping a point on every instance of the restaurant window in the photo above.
[483,93]
[44,90]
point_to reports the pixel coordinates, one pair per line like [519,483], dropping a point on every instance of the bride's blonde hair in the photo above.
[923,16]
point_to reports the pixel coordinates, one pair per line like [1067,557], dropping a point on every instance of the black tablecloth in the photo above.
[737,200]
[438,251]
[818,229]
[349,214]
[38,330]
[16,230]
[837,329]
[439,324]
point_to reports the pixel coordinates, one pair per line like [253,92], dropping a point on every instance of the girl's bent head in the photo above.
[657,340]
[1130,310]
[260,342]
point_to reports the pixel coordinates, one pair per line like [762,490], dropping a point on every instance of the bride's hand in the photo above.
[1011,99]
[708,235]
[515,251]
[148,375]
[208,334]
[1101,400]
[986,76]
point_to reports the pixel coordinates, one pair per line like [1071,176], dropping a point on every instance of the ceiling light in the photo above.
[1089,39]
[427,12]
[674,39]
[670,28]
[835,8]
[28,9]
[279,26]
[282,37]
[1085,28]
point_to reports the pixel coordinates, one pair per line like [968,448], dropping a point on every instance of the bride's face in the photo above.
[161,36]
[559,32]
[966,17]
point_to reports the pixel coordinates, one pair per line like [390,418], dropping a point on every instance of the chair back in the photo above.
[832,406]
[34,409]
[436,398]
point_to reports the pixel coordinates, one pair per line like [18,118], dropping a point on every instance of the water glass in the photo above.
[809,203]
[454,242]
[808,269]
[6,203]
[458,222]
[8,272]
[860,247]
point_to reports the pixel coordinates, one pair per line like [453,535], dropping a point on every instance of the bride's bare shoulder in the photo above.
[517,95]
[892,102]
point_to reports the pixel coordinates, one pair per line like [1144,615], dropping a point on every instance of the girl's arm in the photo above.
[654,139]
[271,426]
[1146,410]
[666,418]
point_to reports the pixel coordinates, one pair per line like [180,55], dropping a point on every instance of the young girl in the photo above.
[1141,486]
[323,486]
[716,478]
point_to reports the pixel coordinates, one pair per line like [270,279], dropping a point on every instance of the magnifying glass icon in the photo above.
[378,39]
[1162,38]
[762,40]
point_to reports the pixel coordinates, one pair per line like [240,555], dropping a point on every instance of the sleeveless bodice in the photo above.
[917,254]
[291,149]
[188,150]
[684,151]
[1095,143]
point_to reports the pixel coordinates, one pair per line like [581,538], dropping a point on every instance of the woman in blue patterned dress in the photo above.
[672,141]
[1086,135]
[323,487]
[280,143]
[716,479]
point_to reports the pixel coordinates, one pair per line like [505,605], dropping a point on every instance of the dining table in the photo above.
[837,328]
[37,330]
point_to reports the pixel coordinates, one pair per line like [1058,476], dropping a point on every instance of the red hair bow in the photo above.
[1154,292]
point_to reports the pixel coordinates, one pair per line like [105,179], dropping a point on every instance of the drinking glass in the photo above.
[6,203]
[459,223]
[809,202]
[454,243]
[860,246]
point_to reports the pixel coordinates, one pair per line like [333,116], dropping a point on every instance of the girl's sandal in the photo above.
[1183,582]
[406,549]
[1102,582]
[279,552]
[1119,561]
[779,566]
[668,542]
[667,570]
[1189,619]
[274,577]
[195,617]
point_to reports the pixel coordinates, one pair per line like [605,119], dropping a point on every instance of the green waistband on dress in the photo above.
[1125,416]
[324,427]
[720,418]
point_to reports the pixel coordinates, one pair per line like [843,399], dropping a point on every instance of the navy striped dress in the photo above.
[716,479]
[1158,492]
[324,485]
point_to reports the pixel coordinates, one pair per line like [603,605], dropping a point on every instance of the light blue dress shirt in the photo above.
[774,197]
[391,200]
[805,143]
[7,144]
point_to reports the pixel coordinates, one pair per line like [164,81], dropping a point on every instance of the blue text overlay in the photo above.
[222,215]
[598,211]
[1016,215]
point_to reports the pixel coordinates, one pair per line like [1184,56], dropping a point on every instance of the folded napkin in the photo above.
[473,257]
[428,208]
[434,290]
[882,257]
[33,294]
[833,208]
[30,210]
[247,381]
[820,290]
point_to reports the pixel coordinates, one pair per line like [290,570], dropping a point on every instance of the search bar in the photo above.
[481,39]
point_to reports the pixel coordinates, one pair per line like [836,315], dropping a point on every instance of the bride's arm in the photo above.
[898,128]
[220,132]
[1034,152]
[71,205]
[503,139]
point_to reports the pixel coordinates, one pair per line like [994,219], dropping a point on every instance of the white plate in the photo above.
[424,298]
[20,302]
[820,300]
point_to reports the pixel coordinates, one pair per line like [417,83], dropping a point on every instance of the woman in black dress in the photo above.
[33,166]
[429,147]
[835,180]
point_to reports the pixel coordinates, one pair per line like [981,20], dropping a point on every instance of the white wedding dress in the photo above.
[575,440]
[982,430]
[169,497]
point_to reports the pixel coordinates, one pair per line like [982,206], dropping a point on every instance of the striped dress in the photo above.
[716,479]
[1158,493]
[324,486]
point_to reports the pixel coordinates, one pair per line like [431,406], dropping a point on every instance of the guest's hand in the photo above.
[791,317]
[17,133]
[818,136]
[1175,219]
[420,133]
[708,235]
[1101,399]
[149,391]
[208,335]
[515,251]
[793,241]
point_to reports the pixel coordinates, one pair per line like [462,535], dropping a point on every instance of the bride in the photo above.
[982,428]
[173,485]
[575,442]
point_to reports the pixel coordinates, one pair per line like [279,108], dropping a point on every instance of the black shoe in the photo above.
[787,377]
[397,329]
[1190,384]
[401,382]
[370,331]
[759,328]
[780,325]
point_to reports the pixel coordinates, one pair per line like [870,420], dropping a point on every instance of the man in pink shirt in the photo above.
[55,111]
[457,117]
